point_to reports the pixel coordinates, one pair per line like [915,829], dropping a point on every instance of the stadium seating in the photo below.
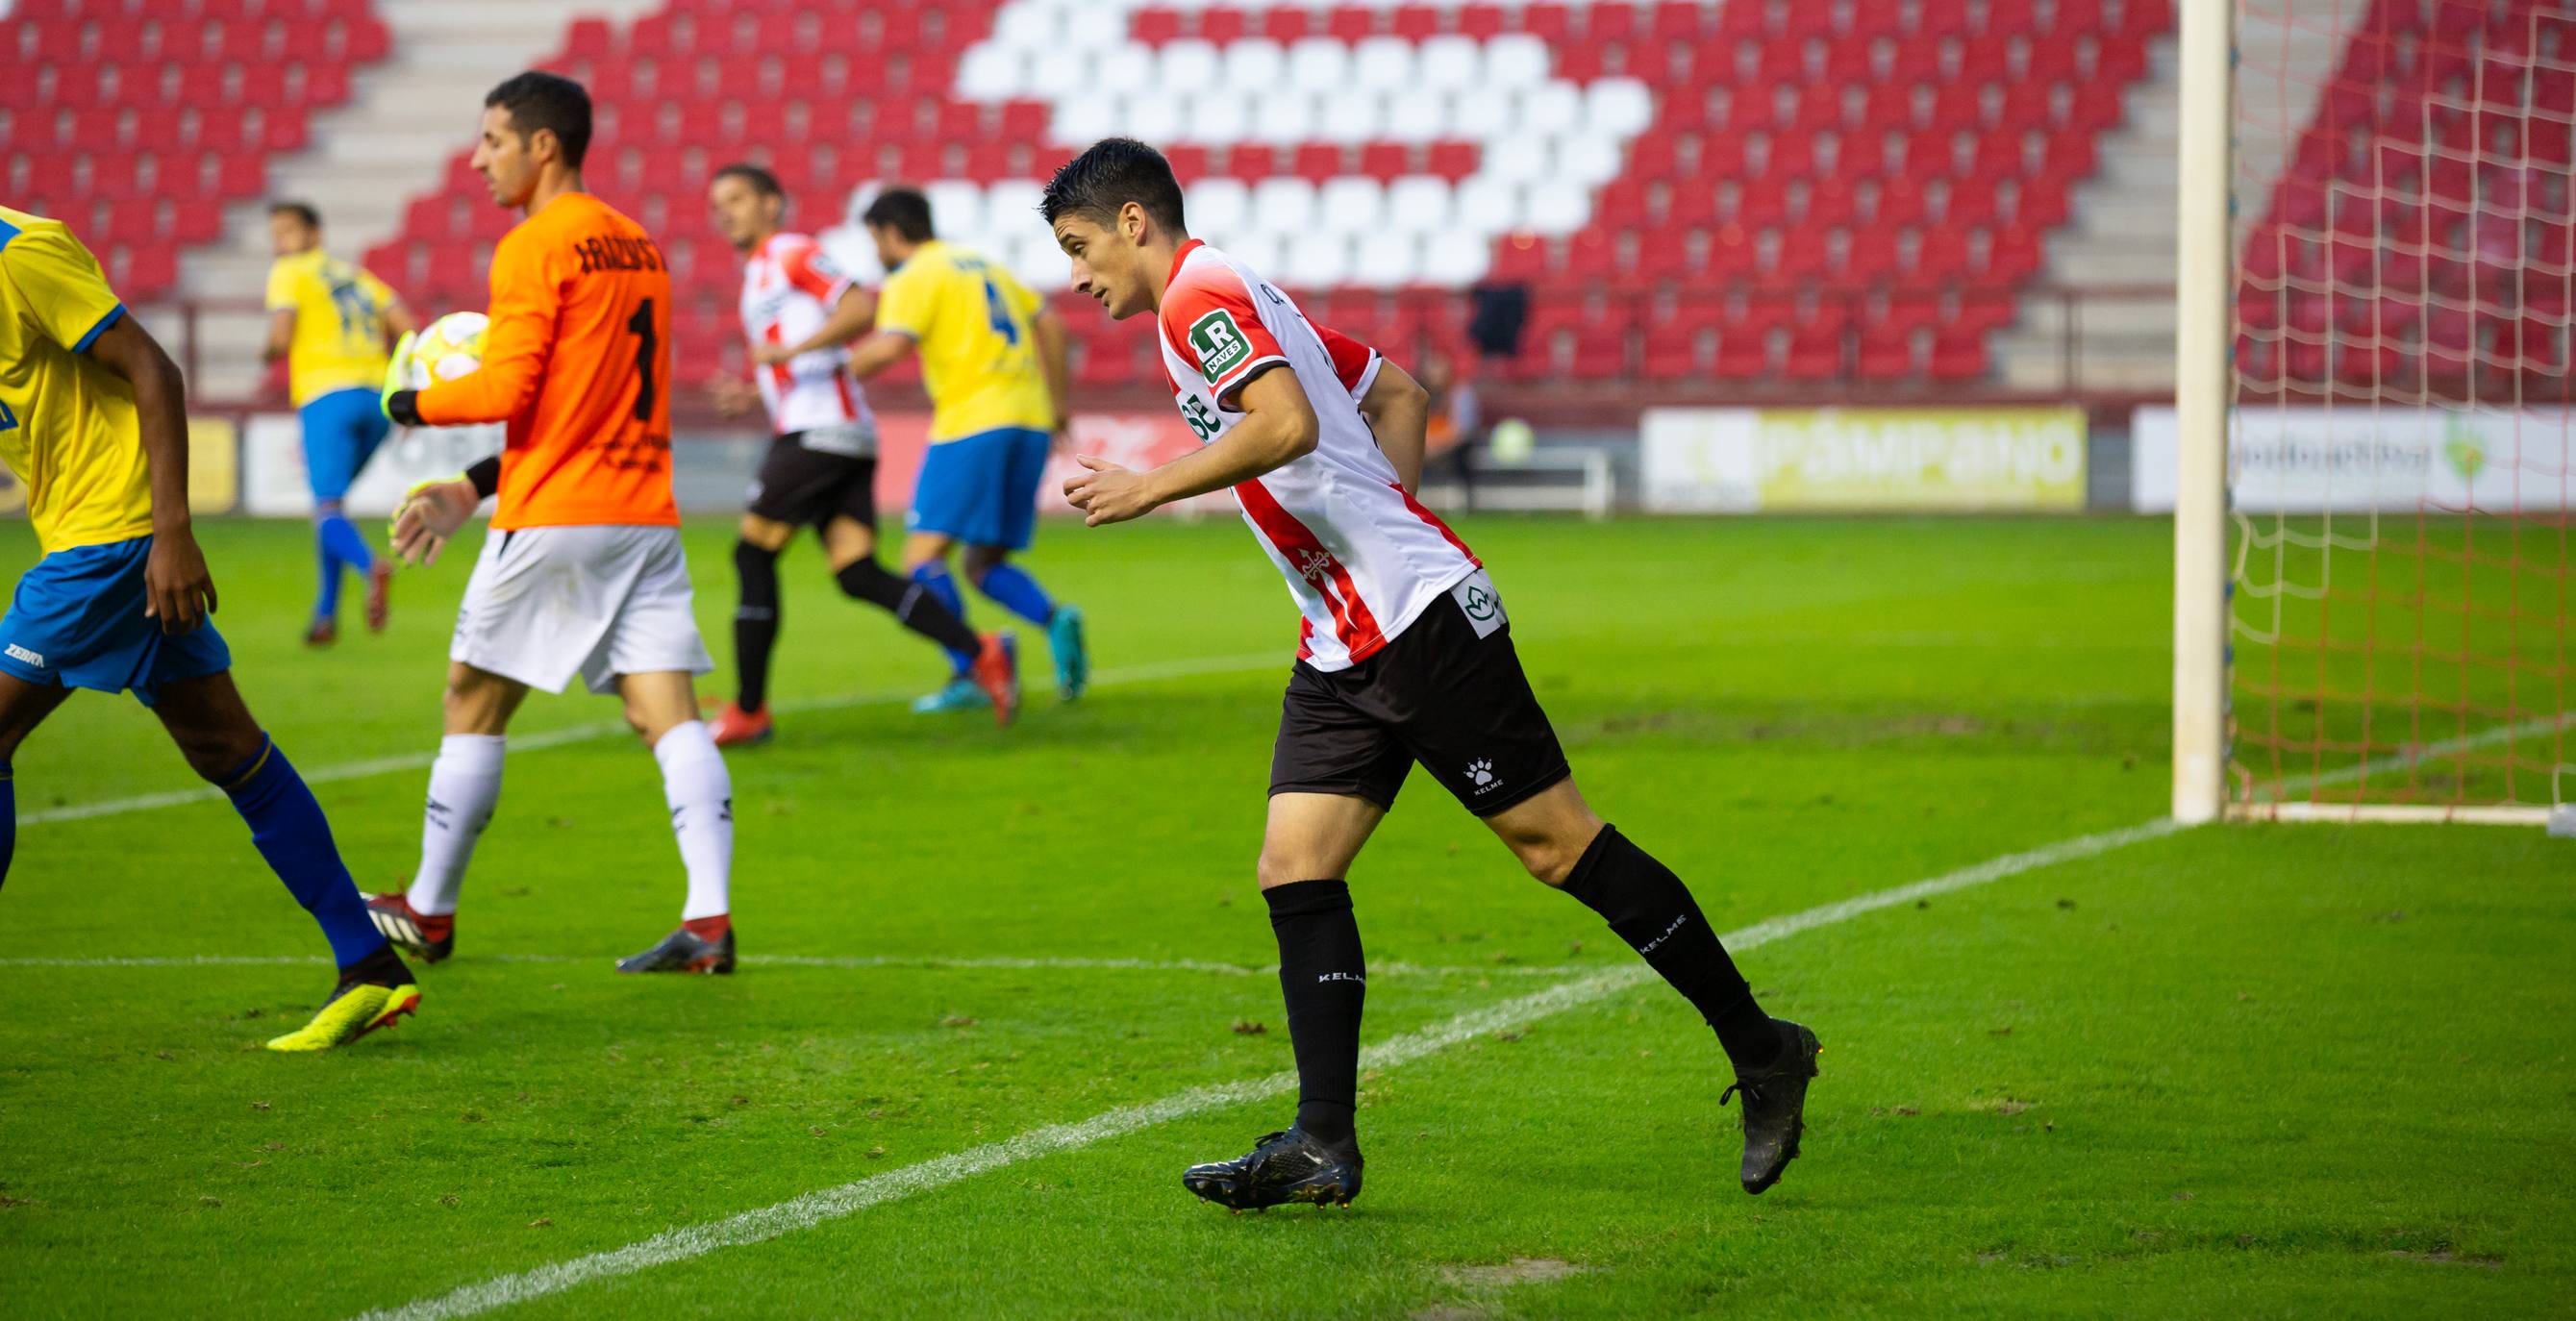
[2418,238]
[137,125]
[1757,188]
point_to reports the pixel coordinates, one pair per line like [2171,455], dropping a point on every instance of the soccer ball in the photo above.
[447,348]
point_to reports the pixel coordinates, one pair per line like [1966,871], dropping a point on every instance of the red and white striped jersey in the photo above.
[788,288]
[1362,558]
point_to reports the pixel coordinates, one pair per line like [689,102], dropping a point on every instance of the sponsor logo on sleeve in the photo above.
[1220,343]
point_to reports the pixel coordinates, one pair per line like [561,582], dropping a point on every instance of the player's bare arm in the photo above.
[879,351]
[1048,330]
[1278,427]
[1398,410]
[179,591]
[281,335]
[851,317]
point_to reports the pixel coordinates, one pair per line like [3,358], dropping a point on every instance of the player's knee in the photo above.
[1548,856]
[764,535]
[982,560]
[1277,867]
[213,752]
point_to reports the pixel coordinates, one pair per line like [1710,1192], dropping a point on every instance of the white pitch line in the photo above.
[844,961]
[828,1204]
[588,733]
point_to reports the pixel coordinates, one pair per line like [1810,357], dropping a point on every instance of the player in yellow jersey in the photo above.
[331,321]
[93,423]
[993,360]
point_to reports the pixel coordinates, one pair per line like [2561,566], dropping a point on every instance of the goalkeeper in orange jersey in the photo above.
[582,571]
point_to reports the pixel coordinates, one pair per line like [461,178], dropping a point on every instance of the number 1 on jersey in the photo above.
[646,341]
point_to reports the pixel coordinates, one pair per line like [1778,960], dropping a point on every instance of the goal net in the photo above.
[2399,430]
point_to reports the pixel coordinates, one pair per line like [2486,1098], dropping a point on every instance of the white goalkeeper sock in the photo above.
[700,792]
[464,783]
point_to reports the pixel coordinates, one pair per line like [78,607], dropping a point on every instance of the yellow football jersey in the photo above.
[971,320]
[339,311]
[67,427]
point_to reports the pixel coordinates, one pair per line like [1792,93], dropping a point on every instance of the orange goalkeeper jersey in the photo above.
[578,361]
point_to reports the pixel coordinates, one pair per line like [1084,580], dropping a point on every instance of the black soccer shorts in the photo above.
[809,488]
[1439,694]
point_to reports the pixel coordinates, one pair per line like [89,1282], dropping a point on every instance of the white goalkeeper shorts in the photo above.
[547,603]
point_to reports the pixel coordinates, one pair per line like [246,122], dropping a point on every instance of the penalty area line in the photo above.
[828,1204]
[594,732]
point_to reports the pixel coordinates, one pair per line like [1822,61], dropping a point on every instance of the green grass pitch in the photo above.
[2269,1071]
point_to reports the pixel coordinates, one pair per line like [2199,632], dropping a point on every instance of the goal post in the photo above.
[2374,426]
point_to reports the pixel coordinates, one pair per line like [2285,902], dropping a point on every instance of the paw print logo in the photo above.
[1481,771]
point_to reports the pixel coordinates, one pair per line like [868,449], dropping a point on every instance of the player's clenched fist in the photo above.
[430,513]
[1109,493]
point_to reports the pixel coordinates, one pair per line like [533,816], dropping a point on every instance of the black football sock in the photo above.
[913,605]
[755,623]
[1653,911]
[1325,980]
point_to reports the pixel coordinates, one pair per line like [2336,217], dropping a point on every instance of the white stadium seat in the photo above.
[1027,27]
[1150,116]
[1058,75]
[1490,204]
[1387,259]
[1319,62]
[1286,118]
[1083,120]
[1259,249]
[1350,117]
[1449,60]
[1418,204]
[1558,206]
[1351,204]
[956,206]
[1480,114]
[1317,259]
[1589,159]
[1215,117]
[1419,114]
[1124,70]
[1550,109]
[1520,157]
[1457,258]
[1284,203]
[1618,107]
[1189,64]
[1515,59]
[1015,202]
[1218,206]
[1256,66]
[1382,63]
[992,72]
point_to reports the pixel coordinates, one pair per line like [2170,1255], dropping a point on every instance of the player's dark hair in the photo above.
[300,210]
[1109,174]
[540,100]
[904,210]
[761,181]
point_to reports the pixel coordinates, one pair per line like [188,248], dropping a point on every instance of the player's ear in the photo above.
[1131,222]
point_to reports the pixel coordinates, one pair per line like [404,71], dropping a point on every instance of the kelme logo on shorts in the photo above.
[1220,343]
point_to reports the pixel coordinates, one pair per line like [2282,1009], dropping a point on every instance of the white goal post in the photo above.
[2375,412]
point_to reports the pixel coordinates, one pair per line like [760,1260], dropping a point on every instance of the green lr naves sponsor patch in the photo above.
[1220,343]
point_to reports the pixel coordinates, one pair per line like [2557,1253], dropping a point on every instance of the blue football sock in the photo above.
[8,819]
[290,831]
[326,604]
[941,584]
[341,538]
[1014,590]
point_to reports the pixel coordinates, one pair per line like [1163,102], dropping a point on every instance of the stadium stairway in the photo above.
[391,139]
[2120,230]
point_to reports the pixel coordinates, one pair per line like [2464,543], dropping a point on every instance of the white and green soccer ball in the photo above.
[445,349]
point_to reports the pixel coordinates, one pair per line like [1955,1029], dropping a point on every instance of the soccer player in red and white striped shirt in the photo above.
[1405,656]
[821,469]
